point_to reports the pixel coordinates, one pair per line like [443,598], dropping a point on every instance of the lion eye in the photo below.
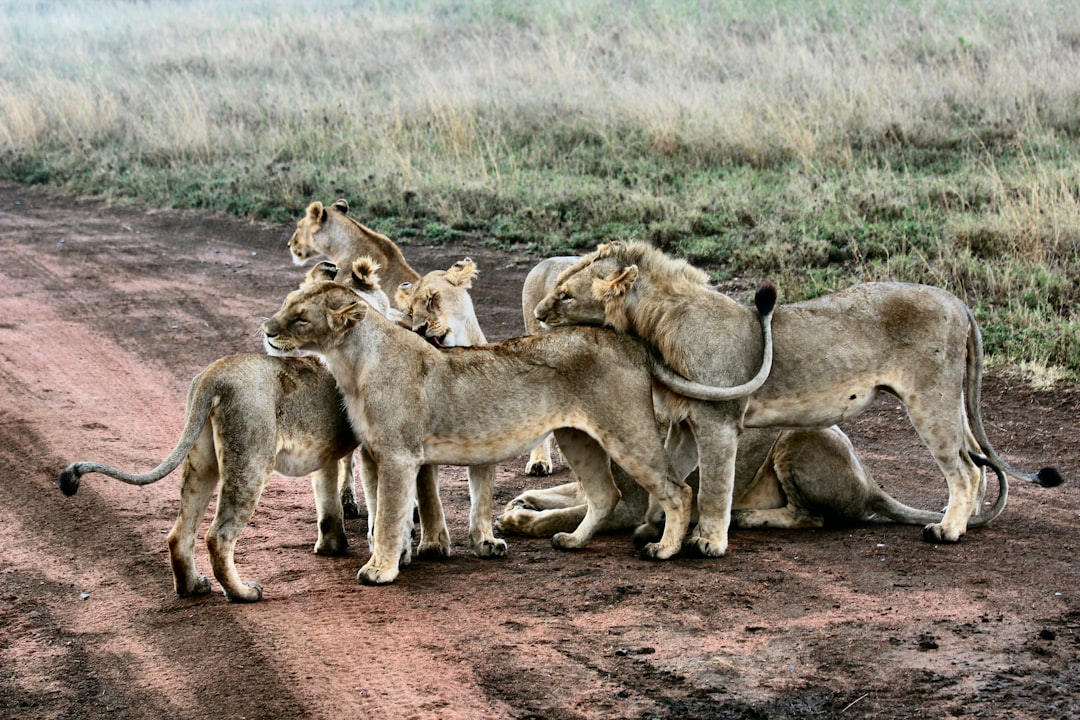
[564,297]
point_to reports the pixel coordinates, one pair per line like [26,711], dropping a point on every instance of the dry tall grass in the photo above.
[758,136]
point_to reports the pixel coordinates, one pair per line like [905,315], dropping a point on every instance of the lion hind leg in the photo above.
[945,437]
[535,522]
[347,487]
[717,485]
[590,463]
[200,477]
[236,504]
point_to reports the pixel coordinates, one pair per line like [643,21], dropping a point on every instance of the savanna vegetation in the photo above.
[817,142]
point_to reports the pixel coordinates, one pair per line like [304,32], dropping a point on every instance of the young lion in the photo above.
[832,356]
[332,232]
[248,416]
[413,404]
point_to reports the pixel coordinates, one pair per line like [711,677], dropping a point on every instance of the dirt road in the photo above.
[107,313]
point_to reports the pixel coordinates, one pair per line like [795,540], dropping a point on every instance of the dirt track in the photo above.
[109,312]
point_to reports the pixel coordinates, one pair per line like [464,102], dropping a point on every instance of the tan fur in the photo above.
[537,284]
[248,416]
[330,231]
[439,307]
[783,479]
[412,404]
[832,356]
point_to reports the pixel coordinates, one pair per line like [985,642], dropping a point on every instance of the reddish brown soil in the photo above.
[107,314]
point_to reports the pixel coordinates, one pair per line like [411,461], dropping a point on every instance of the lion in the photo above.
[787,479]
[413,404]
[332,232]
[438,306]
[832,355]
[537,283]
[250,415]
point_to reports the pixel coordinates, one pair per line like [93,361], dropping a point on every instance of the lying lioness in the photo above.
[412,404]
[783,479]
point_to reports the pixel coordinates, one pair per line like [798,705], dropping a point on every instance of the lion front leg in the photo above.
[434,535]
[590,463]
[482,538]
[347,487]
[396,482]
[325,484]
[539,463]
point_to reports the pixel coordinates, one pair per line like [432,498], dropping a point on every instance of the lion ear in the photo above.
[403,294]
[316,212]
[615,286]
[461,273]
[365,276]
[341,205]
[322,272]
[608,249]
[347,317]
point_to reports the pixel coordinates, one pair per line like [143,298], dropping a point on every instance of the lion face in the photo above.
[579,297]
[303,244]
[312,319]
[438,305]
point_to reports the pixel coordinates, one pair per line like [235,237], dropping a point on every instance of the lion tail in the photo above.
[887,506]
[1047,476]
[765,302]
[200,403]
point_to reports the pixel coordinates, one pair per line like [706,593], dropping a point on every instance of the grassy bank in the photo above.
[815,142]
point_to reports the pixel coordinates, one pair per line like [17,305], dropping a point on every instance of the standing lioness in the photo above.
[412,404]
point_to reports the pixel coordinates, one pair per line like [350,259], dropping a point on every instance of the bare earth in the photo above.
[107,313]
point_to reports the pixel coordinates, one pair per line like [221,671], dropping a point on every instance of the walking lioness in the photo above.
[412,404]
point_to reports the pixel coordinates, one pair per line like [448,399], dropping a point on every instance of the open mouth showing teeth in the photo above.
[437,341]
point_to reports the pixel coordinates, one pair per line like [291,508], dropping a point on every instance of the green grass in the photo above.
[817,143]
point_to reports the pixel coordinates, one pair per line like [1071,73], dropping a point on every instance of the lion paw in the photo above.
[252,592]
[369,575]
[201,586]
[490,548]
[351,509]
[702,547]
[433,551]
[332,545]
[538,468]
[566,541]
[937,534]
[516,519]
[656,551]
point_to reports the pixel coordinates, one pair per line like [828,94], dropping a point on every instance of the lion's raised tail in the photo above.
[1047,476]
[197,415]
[765,301]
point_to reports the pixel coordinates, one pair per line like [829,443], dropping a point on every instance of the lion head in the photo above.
[302,244]
[313,318]
[438,306]
[596,289]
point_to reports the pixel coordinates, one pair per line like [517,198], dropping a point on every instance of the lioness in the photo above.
[412,404]
[438,306]
[332,232]
[783,479]
[831,357]
[248,416]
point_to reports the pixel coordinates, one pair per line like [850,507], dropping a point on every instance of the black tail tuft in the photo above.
[1049,477]
[765,297]
[69,480]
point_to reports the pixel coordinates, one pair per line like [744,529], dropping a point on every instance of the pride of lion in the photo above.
[672,404]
